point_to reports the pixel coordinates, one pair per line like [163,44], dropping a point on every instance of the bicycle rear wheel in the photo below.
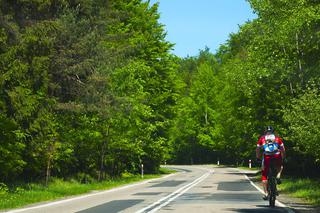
[272,192]
[272,183]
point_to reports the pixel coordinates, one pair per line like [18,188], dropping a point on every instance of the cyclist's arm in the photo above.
[283,152]
[258,152]
[282,149]
[258,149]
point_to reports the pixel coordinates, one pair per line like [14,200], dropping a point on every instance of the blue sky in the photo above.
[193,24]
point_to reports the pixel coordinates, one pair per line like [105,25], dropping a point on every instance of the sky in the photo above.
[193,25]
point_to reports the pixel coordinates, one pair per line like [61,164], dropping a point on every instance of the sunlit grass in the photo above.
[308,189]
[33,193]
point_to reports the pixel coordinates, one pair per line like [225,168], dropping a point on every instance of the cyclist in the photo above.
[270,146]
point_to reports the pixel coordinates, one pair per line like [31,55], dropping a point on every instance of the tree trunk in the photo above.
[291,88]
[101,175]
[206,116]
[48,171]
[50,155]
[299,61]
[290,83]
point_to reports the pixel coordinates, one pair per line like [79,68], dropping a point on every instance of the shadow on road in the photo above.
[248,197]
[259,209]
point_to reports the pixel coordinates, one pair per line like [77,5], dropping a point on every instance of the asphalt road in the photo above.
[193,189]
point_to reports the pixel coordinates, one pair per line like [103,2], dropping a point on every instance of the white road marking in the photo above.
[88,195]
[182,192]
[169,198]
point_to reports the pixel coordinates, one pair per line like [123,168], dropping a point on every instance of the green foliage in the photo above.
[303,118]
[3,189]
[86,87]
[196,128]
[308,189]
[11,162]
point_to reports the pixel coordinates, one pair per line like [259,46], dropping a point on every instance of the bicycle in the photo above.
[272,183]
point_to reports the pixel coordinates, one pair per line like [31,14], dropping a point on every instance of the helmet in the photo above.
[269,129]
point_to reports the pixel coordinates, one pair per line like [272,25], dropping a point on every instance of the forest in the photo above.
[90,88]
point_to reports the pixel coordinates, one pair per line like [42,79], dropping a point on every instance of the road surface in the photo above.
[193,189]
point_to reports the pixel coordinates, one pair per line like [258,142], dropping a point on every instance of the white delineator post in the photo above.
[141,170]
[250,163]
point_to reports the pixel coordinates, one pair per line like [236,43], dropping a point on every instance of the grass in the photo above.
[308,189]
[32,193]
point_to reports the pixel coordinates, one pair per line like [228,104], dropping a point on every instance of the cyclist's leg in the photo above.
[265,189]
[265,186]
[279,165]
[279,168]
[279,171]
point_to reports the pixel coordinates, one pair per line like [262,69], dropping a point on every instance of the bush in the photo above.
[3,189]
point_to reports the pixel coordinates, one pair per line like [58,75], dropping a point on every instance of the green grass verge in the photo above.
[32,193]
[308,189]
[164,170]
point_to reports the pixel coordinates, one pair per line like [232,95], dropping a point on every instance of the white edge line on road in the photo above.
[87,195]
[177,192]
[260,190]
